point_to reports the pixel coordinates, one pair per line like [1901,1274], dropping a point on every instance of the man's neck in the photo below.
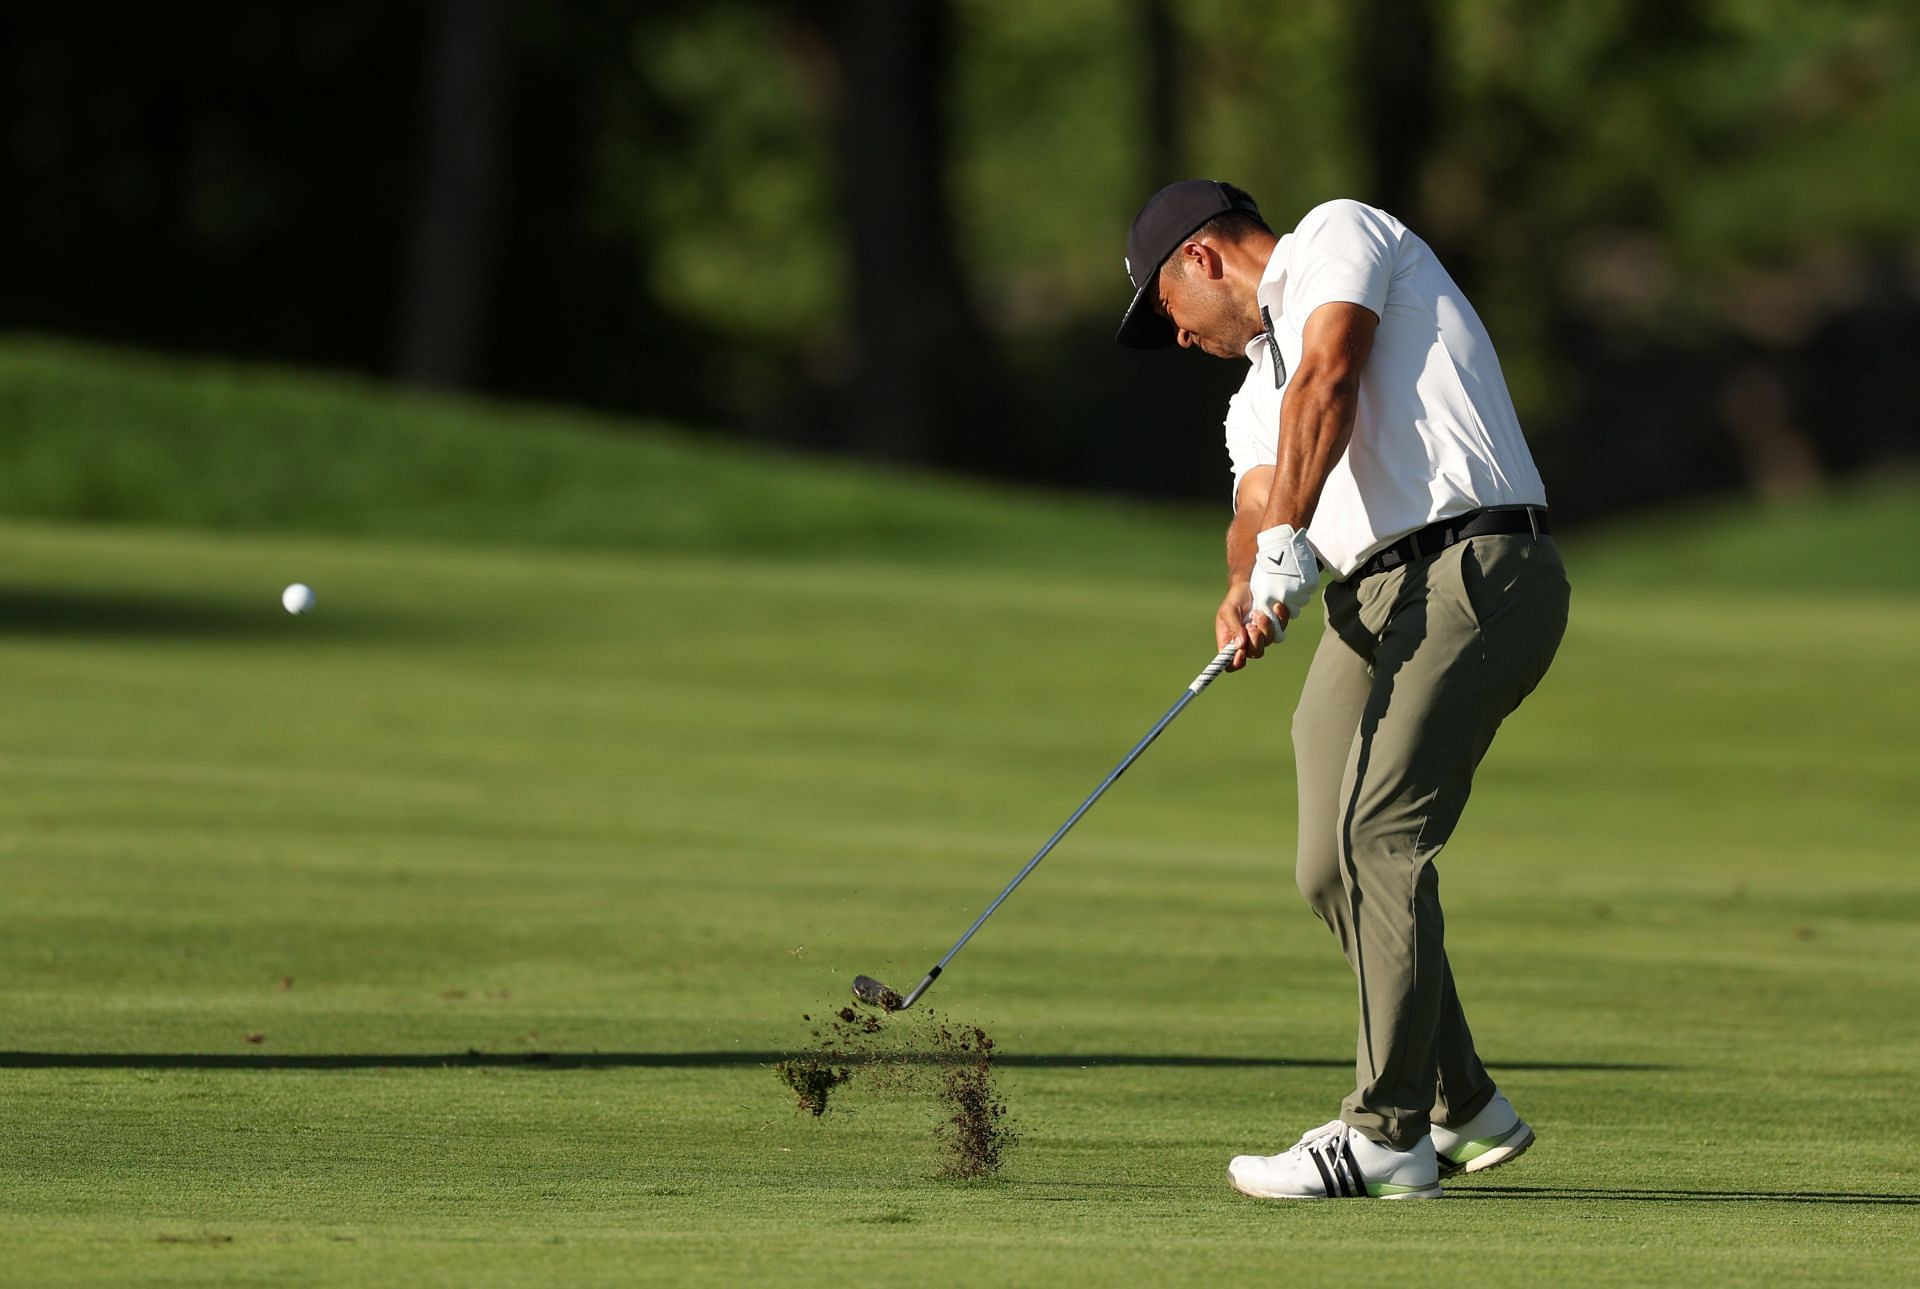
[1244,265]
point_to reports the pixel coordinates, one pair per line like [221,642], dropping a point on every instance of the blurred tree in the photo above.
[1693,226]
[714,157]
[923,369]
[447,301]
[224,183]
[1666,202]
[1160,49]
[1395,77]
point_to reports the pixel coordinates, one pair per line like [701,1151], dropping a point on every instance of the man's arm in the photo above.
[1249,506]
[1316,421]
[1316,416]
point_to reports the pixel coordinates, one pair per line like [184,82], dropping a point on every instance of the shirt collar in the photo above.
[1268,295]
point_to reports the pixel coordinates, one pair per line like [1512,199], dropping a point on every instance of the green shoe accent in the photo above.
[1474,1149]
[1510,1145]
[1387,1190]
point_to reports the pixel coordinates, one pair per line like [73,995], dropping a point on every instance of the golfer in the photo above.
[1376,452]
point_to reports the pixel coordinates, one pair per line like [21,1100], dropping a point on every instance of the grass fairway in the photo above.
[287,907]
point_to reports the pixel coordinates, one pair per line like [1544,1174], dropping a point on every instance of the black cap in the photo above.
[1168,219]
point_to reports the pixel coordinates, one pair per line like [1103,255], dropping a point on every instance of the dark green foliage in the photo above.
[1644,199]
[102,435]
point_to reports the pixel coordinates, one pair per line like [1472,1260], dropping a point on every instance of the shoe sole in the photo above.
[1505,1153]
[1432,1192]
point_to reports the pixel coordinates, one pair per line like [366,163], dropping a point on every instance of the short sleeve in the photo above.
[1343,251]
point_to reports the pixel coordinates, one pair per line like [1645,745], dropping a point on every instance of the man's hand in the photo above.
[1236,623]
[1285,574]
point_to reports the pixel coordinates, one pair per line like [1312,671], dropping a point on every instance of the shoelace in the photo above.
[1326,1147]
[1325,1133]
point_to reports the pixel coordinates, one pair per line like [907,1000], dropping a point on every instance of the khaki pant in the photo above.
[1416,671]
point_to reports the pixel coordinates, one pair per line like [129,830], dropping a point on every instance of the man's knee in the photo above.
[1316,872]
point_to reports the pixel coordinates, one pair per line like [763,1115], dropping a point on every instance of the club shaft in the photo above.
[1200,682]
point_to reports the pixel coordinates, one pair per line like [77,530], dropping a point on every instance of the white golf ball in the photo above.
[297,598]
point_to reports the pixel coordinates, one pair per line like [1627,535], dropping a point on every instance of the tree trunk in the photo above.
[451,262]
[1397,86]
[922,361]
[1160,57]
[1778,456]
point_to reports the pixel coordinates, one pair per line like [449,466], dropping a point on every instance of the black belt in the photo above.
[1442,533]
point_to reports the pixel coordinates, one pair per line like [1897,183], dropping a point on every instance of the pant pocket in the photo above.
[1516,589]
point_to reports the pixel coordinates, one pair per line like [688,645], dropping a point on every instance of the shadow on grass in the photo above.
[43,612]
[1665,1195]
[666,1060]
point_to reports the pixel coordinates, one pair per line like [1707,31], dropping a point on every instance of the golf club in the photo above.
[869,990]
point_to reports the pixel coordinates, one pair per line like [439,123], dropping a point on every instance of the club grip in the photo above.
[1214,668]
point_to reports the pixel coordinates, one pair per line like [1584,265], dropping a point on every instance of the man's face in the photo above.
[1203,309]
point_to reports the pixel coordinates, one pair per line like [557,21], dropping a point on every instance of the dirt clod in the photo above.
[861,1022]
[922,1054]
[974,1130]
[812,1080]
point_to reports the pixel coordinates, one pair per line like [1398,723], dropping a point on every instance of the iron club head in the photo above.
[868,990]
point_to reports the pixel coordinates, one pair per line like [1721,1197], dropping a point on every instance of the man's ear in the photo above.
[1200,256]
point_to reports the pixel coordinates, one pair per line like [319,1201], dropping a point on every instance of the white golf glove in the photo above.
[1284,572]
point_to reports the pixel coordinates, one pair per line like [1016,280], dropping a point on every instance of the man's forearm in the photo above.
[1240,544]
[1316,421]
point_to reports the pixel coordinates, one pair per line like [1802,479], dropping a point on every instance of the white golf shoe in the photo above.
[1491,1138]
[1335,1162]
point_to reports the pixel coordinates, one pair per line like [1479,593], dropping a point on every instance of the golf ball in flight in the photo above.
[297,598]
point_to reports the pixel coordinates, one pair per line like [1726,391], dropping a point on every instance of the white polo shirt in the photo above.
[1435,434]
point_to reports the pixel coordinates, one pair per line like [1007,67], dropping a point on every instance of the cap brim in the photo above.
[1143,327]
